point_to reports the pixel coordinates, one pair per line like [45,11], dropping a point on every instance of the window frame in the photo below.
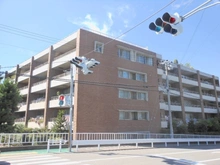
[134,115]
[96,48]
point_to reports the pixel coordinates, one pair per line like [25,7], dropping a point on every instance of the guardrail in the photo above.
[19,139]
[165,141]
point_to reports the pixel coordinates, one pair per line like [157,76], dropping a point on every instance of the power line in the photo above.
[135,25]
[192,36]
[43,37]
[25,32]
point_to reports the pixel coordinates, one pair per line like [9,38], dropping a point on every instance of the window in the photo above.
[124,115]
[133,115]
[134,95]
[144,59]
[132,75]
[99,47]
[122,53]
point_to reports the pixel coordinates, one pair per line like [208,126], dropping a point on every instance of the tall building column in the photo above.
[48,91]
[29,95]
[181,94]
[200,94]
[216,95]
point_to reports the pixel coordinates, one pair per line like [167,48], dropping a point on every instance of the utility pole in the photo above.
[168,66]
[84,64]
[71,108]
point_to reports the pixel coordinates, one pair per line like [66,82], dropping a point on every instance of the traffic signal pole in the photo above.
[199,8]
[71,108]
[168,66]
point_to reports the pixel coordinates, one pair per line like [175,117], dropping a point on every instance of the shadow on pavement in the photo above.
[4,163]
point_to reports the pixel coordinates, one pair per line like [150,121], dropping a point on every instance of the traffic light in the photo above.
[173,27]
[168,23]
[84,64]
[61,100]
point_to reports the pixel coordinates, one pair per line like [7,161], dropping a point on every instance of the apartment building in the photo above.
[124,94]
[194,95]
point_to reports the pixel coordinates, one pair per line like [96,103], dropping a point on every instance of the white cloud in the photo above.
[116,18]
[94,25]
[176,6]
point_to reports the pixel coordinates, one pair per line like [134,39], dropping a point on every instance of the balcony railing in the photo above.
[20,119]
[41,99]
[64,54]
[211,107]
[56,97]
[189,91]
[206,82]
[189,78]
[22,103]
[192,105]
[207,94]
[25,87]
[61,75]
[39,82]
[173,74]
[41,65]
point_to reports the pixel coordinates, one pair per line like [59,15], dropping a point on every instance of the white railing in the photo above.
[116,136]
[8,139]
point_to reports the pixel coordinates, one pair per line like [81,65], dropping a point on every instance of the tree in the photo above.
[175,61]
[59,124]
[9,100]
[189,65]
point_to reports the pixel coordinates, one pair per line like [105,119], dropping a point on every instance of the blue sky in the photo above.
[199,44]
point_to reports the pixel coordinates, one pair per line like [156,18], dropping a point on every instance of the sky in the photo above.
[198,44]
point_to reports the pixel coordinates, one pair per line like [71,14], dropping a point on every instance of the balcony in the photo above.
[193,108]
[60,79]
[209,97]
[20,121]
[206,84]
[63,58]
[210,109]
[36,122]
[54,101]
[24,76]
[191,94]
[189,80]
[218,88]
[40,68]
[175,106]
[24,90]
[37,104]
[38,86]
[22,107]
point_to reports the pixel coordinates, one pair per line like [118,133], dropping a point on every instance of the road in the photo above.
[196,155]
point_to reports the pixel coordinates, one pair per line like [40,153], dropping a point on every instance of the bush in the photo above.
[191,126]
[181,129]
[201,126]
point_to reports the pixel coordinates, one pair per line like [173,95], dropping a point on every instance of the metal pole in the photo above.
[168,97]
[71,108]
[196,8]
[192,13]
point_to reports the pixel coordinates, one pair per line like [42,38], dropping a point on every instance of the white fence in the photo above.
[18,139]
